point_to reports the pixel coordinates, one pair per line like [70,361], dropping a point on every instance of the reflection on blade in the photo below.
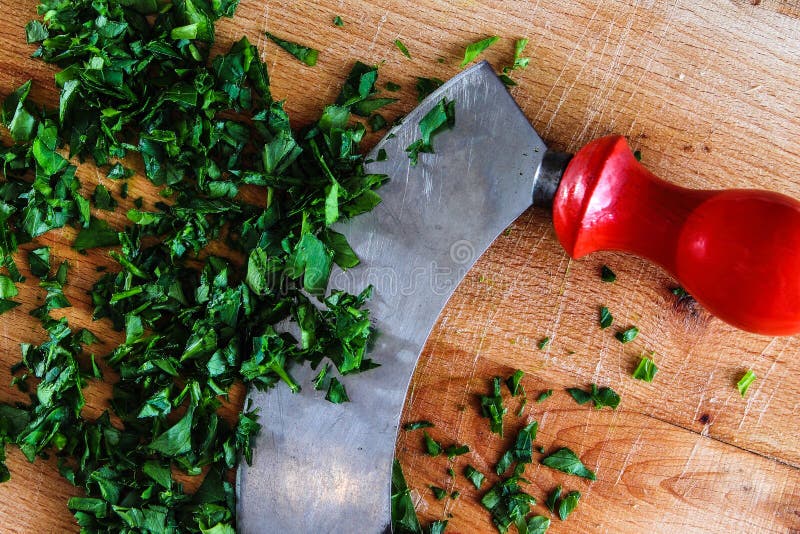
[320,467]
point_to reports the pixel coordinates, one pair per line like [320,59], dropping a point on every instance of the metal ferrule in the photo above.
[548,176]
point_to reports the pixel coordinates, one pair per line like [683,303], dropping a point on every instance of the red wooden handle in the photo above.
[737,252]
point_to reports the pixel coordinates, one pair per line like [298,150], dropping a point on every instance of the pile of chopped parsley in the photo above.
[137,80]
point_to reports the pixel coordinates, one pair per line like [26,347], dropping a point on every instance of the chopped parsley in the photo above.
[441,117]
[513,382]
[416,425]
[646,369]
[391,86]
[492,407]
[438,492]
[507,503]
[404,517]
[522,450]
[566,461]
[400,46]
[600,397]
[607,275]
[519,62]
[425,86]
[567,504]
[744,383]
[475,49]
[606,319]
[536,525]
[456,450]
[544,395]
[432,446]
[543,343]
[303,53]
[337,21]
[552,499]
[627,335]
[474,476]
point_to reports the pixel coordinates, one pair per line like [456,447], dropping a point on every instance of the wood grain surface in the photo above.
[707,90]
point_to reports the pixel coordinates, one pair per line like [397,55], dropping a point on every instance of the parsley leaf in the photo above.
[400,46]
[552,499]
[303,53]
[544,395]
[627,335]
[606,319]
[441,117]
[536,525]
[475,49]
[455,450]
[337,393]
[519,62]
[438,492]
[513,382]
[431,445]
[646,369]
[337,21]
[522,450]
[425,86]
[507,502]
[39,261]
[543,343]
[568,504]
[600,397]
[474,476]
[568,462]
[607,275]
[416,425]
[492,407]
[404,517]
[744,383]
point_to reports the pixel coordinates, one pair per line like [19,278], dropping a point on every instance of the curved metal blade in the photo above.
[320,467]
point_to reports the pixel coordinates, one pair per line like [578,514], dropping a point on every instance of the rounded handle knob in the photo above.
[737,251]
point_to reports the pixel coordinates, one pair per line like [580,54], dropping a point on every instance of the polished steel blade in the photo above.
[320,467]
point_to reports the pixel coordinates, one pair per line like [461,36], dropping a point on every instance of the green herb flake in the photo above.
[492,407]
[404,517]
[513,382]
[544,395]
[568,504]
[337,394]
[522,450]
[441,117]
[518,63]
[303,53]
[475,49]
[537,525]
[337,21]
[392,87]
[102,198]
[600,397]
[437,527]
[552,499]
[744,383]
[438,492]
[400,46]
[543,343]
[416,425]
[507,503]
[432,447]
[474,476]
[646,369]
[456,450]
[426,86]
[606,319]
[627,335]
[566,461]
[607,275]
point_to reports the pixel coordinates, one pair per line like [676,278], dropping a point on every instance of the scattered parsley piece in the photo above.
[522,404]
[39,261]
[391,86]
[513,382]
[400,46]
[606,319]
[607,275]
[544,395]
[744,383]
[377,122]
[102,198]
[337,21]
[519,62]
[628,335]
[475,49]
[536,525]
[646,369]
[568,462]
[431,445]
[441,117]
[492,407]
[336,394]
[455,450]
[568,504]
[437,527]
[507,502]
[455,495]
[679,292]
[320,380]
[522,450]
[438,492]
[553,498]
[543,343]
[601,397]
[474,476]
[416,425]
[404,517]
[303,53]
[638,155]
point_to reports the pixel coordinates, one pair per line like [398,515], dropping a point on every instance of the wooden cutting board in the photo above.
[708,92]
